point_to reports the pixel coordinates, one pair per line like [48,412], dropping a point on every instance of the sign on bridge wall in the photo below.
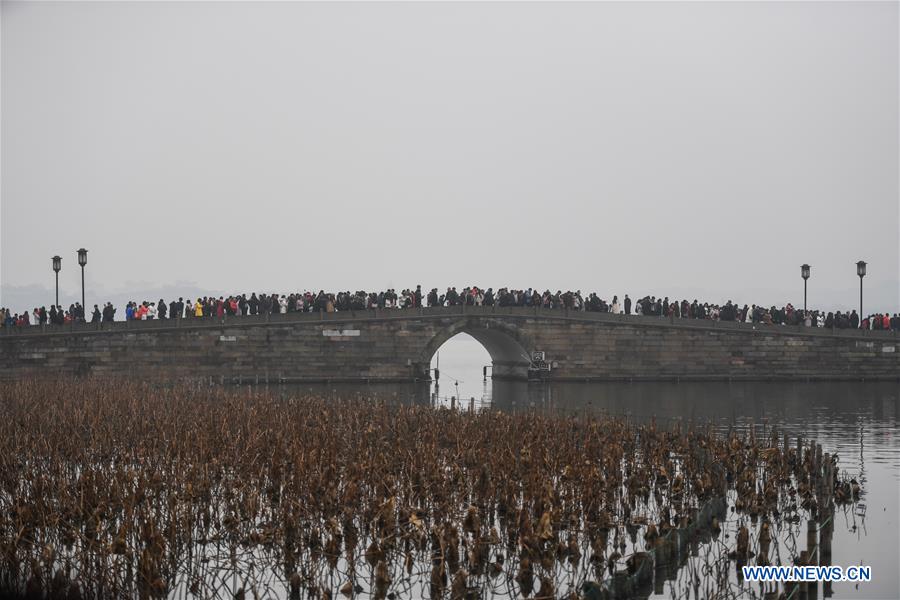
[334,333]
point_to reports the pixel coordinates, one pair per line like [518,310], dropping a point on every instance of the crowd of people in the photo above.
[256,304]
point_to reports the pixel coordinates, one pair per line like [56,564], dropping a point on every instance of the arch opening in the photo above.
[465,370]
[506,347]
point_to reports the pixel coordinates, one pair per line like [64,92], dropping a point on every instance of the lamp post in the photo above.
[57,265]
[82,260]
[861,271]
[804,273]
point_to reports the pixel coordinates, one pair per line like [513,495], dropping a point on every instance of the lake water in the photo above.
[860,422]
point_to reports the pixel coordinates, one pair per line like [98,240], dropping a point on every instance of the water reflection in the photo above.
[718,402]
[816,405]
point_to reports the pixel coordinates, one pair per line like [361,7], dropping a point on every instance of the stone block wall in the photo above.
[397,346]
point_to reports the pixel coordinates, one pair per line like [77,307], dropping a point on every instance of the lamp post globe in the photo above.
[861,271]
[57,265]
[82,260]
[804,273]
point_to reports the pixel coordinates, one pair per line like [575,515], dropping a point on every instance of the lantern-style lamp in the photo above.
[861,271]
[82,260]
[57,265]
[804,273]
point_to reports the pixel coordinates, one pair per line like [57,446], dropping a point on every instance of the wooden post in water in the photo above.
[695,539]
[789,589]
[826,532]
[812,462]
[659,570]
[818,471]
[803,585]
[824,483]
[812,542]
[812,590]
[826,520]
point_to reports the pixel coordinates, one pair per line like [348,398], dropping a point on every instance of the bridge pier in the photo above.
[509,370]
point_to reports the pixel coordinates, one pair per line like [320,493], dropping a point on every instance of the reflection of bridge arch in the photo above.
[508,346]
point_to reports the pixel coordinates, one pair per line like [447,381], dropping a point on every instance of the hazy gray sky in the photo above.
[685,149]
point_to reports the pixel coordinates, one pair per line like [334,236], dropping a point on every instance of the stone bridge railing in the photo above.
[439,313]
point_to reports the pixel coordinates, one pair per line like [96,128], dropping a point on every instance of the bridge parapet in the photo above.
[438,313]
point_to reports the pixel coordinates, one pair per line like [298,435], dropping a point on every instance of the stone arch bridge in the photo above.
[397,346]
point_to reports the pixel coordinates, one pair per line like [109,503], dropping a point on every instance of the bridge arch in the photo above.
[508,346]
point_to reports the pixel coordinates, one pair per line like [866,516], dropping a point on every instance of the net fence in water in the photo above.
[122,490]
